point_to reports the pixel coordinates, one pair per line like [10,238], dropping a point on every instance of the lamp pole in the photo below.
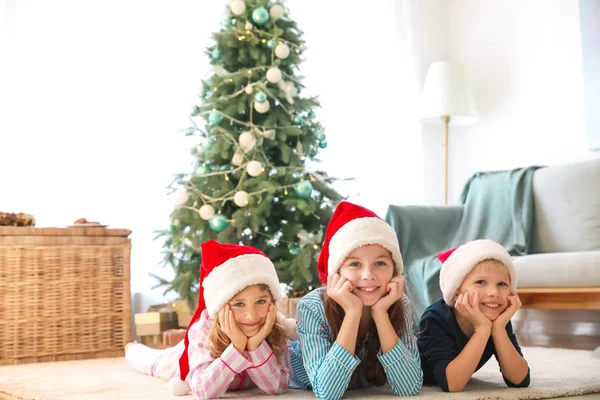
[446,121]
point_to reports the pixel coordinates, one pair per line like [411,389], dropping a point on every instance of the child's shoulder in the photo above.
[438,310]
[313,300]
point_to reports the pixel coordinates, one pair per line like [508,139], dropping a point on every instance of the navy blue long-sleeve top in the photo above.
[440,340]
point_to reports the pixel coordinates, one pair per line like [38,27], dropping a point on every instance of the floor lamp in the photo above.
[447,99]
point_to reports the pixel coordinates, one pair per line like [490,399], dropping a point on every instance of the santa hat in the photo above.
[226,270]
[350,227]
[459,261]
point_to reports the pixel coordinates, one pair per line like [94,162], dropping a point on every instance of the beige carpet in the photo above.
[554,373]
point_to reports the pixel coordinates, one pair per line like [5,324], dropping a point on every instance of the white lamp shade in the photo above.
[447,92]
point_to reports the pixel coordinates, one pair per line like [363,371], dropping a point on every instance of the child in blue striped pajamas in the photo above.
[356,331]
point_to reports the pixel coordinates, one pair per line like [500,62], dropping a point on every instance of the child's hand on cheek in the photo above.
[340,290]
[231,329]
[255,341]
[514,304]
[469,309]
[395,289]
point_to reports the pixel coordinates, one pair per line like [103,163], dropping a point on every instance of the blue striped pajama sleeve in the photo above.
[329,366]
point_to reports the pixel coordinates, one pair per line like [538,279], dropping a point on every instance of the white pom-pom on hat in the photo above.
[178,387]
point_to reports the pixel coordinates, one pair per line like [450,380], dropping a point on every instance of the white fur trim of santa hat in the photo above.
[178,387]
[361,232]
[458,265]
[236,274]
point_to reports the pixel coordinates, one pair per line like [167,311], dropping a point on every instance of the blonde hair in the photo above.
[219,341]
[490,264]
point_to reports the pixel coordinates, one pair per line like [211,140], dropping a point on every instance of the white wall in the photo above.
[524,60]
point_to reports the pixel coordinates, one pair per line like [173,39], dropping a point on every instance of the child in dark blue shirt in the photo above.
[460,332]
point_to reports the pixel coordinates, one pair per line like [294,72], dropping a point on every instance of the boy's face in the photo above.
[250,308]
[491,279]
[369,269]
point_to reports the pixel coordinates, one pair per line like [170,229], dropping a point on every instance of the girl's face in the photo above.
[369,270]
[491,279]
[250,308]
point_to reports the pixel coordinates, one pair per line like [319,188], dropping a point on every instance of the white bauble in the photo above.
[249,89]
[249,26]
[262,107]
[282,51]
[238,158]
[237,7]
[241,198]
[181,196]
[206,212]
[247,141]
[254,168]
[273,74]
[276,11]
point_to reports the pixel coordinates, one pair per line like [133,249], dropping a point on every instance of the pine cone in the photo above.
[20,219]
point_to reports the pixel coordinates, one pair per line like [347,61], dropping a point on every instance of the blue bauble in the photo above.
[311,114]
[195,111]
[207,144]
[295,249]
[227,21]
[303,189]
[260,15]
[218,222]
[260,97]
[271,43]
[216,54]
[298,120]
[215,117]
[323,144]
[320,135]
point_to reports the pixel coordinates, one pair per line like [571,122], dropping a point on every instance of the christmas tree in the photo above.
[255,179]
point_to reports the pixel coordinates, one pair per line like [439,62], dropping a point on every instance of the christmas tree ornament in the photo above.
[187,242]
[289,89]
[269,134]
[254,168]
[271,43]
[249,26]
[206,212]
[172,229]
[219,70]
[320,135]
[227,21]
[303,189]
[237,7]
[276,11]
[260,15]
[216,54]
[238,158]
[202,169]
[247,141]
[249,89]
[215,117]
[295,249]
[181,196]
[194,111]
[241,198]
[298,120]
[218,223]
[262,107]
[282,51]
[233,21]
[208,143]
[273,74]
[260,97]
[323,144]
[311,114]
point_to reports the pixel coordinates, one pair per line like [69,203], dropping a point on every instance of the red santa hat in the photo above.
[226,270]
[459,261]
[350,227]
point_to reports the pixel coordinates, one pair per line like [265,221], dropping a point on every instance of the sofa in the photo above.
[562,269]
[551,219]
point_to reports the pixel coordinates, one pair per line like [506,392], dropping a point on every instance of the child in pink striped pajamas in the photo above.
[236,338]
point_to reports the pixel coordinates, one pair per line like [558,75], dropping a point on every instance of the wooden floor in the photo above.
[567,329]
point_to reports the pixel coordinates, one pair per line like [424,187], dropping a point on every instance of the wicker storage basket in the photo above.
[64,293]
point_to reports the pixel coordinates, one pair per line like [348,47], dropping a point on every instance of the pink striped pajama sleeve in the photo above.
[270,373]
[210,378]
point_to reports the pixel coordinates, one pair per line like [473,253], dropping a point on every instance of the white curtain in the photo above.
[93,93]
